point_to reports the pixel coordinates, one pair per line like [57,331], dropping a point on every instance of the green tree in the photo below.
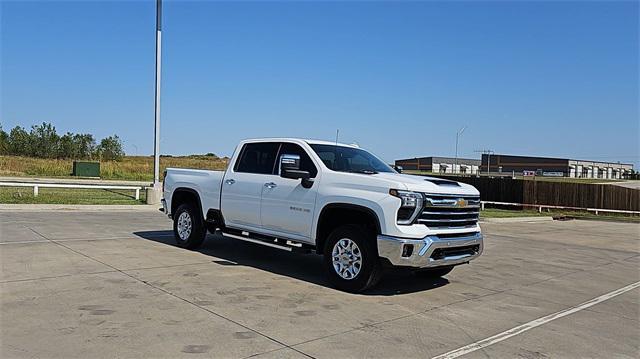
[19,142]
[66,146]
[45,141]
[84,145]
[4,142]
[110,149]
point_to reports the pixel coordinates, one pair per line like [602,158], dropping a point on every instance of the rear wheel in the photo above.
[188,227]
[351,259]
[434,272]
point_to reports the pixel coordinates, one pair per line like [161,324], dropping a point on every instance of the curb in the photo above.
[78,207]
[604,219]
[516,219]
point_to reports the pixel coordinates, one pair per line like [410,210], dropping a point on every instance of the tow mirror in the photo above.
[290,168]
[398,169]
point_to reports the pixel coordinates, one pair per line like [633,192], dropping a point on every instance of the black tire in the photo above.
[198,231]
[370,270]
[434,272]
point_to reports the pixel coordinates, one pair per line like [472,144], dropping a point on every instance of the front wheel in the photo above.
[187,227]
[351,259]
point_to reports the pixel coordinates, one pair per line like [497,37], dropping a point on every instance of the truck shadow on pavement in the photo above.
[306,267]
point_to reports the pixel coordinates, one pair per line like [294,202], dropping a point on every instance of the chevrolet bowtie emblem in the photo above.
[462,203]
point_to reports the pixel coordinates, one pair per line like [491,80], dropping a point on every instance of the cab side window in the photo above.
[257,158]
[306,164]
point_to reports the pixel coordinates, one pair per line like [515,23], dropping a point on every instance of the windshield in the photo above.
[349,159]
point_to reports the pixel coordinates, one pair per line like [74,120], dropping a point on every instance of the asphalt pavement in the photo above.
[98,284]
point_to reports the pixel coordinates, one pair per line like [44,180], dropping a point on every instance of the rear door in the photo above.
[243,184]
[287,207]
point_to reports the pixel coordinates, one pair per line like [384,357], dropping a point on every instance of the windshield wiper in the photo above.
[366,172]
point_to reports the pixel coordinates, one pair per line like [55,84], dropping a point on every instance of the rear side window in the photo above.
[306,164]
[257,158]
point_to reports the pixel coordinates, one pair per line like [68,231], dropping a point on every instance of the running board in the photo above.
[266,243]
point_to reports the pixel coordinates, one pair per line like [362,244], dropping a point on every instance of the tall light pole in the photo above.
[156,139]
[458,134]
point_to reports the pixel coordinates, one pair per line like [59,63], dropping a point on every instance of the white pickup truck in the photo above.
[335,199]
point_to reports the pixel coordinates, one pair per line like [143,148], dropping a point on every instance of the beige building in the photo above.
[555,167]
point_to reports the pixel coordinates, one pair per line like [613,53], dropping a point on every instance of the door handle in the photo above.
[230,181]
[270,185]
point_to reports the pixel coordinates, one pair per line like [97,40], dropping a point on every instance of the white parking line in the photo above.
[534,323]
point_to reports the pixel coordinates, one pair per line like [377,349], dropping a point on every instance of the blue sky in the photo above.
[399,78]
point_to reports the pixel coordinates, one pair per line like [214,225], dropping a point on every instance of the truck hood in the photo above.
[428,184]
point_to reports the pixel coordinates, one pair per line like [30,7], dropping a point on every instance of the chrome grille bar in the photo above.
[450,211]
[446,220]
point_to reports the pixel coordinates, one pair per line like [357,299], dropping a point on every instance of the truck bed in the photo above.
[206,183]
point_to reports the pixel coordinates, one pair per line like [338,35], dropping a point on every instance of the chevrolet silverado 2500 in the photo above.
[335,199]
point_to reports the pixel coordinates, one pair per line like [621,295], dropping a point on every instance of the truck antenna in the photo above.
[337,133]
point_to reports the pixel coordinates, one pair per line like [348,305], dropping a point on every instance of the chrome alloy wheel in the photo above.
[184,226]
[347,258]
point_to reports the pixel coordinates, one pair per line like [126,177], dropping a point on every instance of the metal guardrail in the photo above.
[37,185]
[541,206]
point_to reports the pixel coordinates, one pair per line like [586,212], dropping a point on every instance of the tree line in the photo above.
[43,141]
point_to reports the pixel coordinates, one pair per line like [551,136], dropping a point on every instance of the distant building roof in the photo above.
[495,155]
[435,159]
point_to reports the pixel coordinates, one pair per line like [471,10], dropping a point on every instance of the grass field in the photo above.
[135,168]
[508,213]
[24,195]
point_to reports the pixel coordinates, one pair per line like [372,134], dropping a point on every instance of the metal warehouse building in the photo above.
[440,165]
[544,166]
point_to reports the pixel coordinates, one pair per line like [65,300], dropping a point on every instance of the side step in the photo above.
[288,246]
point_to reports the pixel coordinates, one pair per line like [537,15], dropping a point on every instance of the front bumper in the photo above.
[430,251]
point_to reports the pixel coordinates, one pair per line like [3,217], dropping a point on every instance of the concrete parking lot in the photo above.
[97,284]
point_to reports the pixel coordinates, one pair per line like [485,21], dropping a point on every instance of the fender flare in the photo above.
[349,206]
[189,190]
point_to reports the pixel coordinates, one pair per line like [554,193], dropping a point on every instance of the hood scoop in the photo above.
[443,182]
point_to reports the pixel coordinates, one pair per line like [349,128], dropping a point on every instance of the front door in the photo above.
[242,186]
[287,207]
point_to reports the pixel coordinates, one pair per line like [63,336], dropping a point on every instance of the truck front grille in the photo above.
[450,211]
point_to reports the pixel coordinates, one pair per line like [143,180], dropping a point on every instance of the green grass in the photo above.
[506,213]
[24,195]
[134,168]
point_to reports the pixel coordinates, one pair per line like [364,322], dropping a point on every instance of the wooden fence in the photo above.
[566,194]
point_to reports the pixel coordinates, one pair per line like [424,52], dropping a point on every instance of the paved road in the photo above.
[111,284]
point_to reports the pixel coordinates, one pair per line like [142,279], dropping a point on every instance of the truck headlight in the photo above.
[410,205]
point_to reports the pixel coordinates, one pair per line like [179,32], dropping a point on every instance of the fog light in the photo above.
[407,250]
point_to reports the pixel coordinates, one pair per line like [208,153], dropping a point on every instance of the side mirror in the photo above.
[290,168]
[398,169]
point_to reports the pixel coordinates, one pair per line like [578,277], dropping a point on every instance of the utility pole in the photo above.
[460,131]
[488,153]
[153,196]
[156,140]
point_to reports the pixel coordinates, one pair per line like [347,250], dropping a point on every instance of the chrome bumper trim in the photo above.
[391,248]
